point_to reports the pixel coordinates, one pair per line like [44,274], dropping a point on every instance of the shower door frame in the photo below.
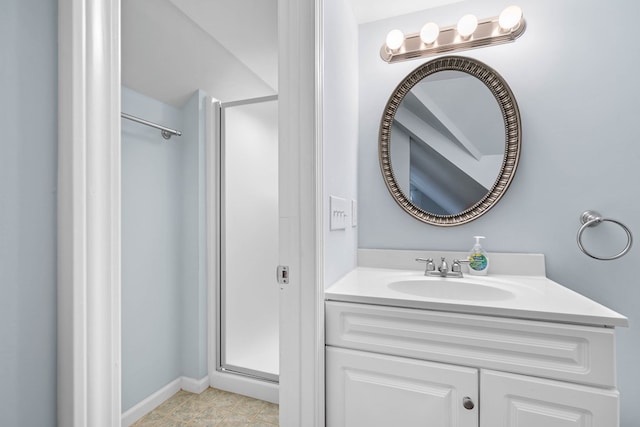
[221,362]
[89,241]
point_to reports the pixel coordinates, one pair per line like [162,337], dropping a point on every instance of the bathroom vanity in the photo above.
[504,350]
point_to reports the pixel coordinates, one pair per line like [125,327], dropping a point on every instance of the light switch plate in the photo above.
[337,213]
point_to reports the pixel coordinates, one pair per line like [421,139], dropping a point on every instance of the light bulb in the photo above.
[510,18]
[429,33]
[467,25]
[395,38]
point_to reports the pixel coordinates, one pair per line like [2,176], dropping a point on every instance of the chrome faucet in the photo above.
[443,269]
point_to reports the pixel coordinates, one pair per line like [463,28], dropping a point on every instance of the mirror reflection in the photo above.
[447,142]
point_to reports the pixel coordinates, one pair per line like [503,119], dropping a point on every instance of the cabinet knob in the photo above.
[467,403]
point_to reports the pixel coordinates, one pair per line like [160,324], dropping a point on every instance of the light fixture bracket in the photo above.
[487,33]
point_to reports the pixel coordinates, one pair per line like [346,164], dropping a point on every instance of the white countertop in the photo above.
[534,297]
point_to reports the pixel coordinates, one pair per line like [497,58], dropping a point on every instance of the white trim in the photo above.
[320,226]
[193,385]
[89,384]
[151,403]
[301,329]
[159,397]
[246,386]
[212,152]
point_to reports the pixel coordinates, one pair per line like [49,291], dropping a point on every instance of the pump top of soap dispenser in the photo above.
[478,259]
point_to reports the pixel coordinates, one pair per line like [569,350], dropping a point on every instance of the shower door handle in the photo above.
[282,274]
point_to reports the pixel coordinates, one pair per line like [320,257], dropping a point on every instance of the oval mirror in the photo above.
[450,140]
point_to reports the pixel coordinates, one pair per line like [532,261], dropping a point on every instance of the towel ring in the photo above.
[593,218]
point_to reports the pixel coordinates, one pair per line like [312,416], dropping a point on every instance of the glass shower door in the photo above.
[249,293]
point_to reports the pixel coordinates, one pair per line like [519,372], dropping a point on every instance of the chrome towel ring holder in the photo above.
[593,218]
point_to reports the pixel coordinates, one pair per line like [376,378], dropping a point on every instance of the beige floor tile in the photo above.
[169,423]
[249,406]
[269,414]
[208,394]
[182,414]
[208,420]
[211,408]
[197,405]
[225,400]
[149,419]
[236,418]
[168,406]
[215,412]
[232,424]
[183,395]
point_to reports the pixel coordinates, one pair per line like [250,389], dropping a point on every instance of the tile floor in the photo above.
[210,408]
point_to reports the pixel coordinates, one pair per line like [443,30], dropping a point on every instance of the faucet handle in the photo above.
[430,265]
[456,266]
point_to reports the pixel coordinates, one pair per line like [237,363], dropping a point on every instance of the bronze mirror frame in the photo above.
[513,137]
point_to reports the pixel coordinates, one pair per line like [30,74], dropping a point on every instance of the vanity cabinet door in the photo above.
[510,400]
[375,390]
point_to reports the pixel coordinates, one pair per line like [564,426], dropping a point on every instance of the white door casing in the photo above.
[301,300]
[89,382]
[89,213]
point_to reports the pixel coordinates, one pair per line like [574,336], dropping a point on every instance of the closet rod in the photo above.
[166,132]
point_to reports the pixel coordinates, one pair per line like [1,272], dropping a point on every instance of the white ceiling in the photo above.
[168,55]
[227,48]
[247,28]
[374,10]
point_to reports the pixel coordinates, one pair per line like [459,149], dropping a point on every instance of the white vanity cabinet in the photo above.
[518,401]
[369,389]
[391,366]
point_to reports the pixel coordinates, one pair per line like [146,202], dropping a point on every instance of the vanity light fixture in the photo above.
[510,18]
[467,25]
[429,33]
[395,39]
[469,33]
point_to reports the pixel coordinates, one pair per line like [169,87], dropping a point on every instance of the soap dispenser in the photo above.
[478,259]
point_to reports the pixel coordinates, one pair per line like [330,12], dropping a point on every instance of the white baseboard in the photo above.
[156,399]
[194,386]
[244,385]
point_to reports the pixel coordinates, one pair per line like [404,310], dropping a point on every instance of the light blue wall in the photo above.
[574,74]
[28,147]
[163,247]
[340,132]
[152,318]
[193,239]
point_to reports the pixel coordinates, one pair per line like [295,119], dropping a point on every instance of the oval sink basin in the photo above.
[451,289]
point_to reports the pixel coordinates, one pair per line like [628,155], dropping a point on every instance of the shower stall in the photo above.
[200,245]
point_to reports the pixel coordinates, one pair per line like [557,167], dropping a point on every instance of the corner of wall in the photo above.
[194,268]
[340,135]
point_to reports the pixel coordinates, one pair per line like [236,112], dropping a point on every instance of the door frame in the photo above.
[301,207]
[89,238]
[89,197]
